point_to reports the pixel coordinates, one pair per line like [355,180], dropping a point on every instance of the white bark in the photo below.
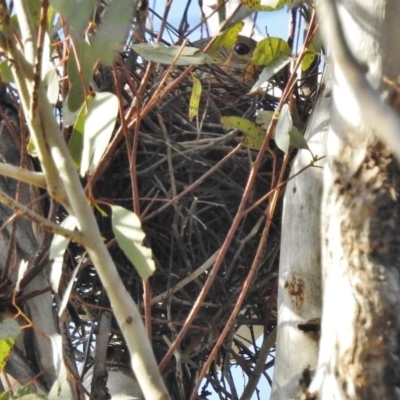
[359,351]
[299,296]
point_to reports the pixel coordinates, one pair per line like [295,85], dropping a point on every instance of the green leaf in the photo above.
[34,7]
[269,50]
[129,234]
[253,135]
[160,53]
[284,125]
[98,127]
[5,72]
[52,86]
[264,118]
[269,71]
[5,396]
[265,5]
[6,346]
[309,57]
[226,40]
[286,136]
[60,389]
[25,392]
[92,131]
[46,55]
[195,98]
[31,148]
[80,72]
[297,140]
[115,25]
[76,12]
[75,144]
[58,247]
[51,15]
[69,117]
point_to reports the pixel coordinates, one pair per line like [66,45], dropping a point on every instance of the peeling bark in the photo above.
[359,349]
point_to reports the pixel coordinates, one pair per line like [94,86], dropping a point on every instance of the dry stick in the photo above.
[239,214]
[153,102]
[41,222]
[157,96]
[215,10]
[247,283]
[125,310]
[136,206]
[280,185]
[196,273]
[133,151]
[167,8]
[268,343]
[98,384]
[135,194]
[224,248]
[146,287]
[120,133]
[194,184]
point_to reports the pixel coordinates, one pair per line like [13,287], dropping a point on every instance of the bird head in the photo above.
[234,60]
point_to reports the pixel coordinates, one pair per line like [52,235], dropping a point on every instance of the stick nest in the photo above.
[191,179]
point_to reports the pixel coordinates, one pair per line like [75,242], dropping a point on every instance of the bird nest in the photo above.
[186,180]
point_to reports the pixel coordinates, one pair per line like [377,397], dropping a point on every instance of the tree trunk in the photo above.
[359,348]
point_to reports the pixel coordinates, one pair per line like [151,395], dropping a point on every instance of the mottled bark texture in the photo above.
[359,347]
[360,331]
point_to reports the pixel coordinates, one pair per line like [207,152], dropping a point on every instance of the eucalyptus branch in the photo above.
[64,186]
[126,312]
[23,175]
[23,72]
[28,33]
[40,221]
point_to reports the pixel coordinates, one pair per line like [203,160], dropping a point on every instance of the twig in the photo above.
[23,175]
[268,343]
[42,223]
[161,297]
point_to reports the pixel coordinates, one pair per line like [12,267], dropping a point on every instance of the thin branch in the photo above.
[186,281]
[23,73]
[64,185]
[268,343]
[23,175]
[42,222]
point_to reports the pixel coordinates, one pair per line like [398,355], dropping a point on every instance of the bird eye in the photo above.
[242,49]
